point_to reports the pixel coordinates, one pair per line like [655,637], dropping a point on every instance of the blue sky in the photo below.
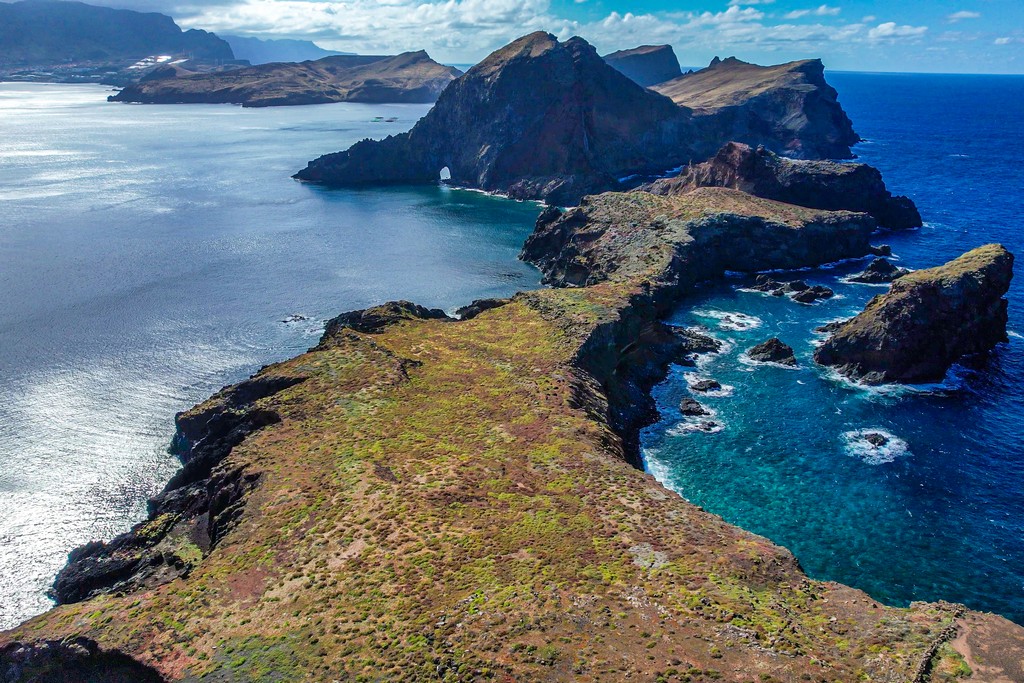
[963,36]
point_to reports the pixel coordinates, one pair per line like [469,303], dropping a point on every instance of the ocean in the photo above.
[151,254]
[939,512]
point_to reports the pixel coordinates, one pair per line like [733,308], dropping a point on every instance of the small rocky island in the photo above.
[927,321]
[412,77]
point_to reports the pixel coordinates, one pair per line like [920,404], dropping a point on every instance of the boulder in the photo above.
[692,408]
[773,351]
[927,321]
[706,385]
[879,271]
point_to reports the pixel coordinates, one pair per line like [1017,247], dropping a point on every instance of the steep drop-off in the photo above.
[452,500]
[646,65]
[409,77]
[927,321]
[790,108]
[536,119]
[815,184]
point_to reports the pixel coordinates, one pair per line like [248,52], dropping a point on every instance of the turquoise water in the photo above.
[148,255]
[940,513]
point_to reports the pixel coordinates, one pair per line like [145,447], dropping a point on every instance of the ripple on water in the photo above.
[731,320]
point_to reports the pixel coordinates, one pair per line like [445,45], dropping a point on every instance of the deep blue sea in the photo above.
[148,256]
[939,514]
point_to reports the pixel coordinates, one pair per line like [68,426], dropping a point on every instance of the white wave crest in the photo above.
[858,445]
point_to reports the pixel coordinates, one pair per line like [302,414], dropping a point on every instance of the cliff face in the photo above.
[409,77]
[540,119]
[790,108]
[928,320]
[814,184]
[536,119]
[705,233]
[647,64]
[44,32]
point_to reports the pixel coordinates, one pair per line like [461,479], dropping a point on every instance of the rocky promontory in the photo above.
[543,119]
[646,65]
[790,108]
[927,321]
[816,184]
[410,77]
[422,499]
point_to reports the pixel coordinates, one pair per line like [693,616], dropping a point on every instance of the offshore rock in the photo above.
[646,65]
[412,77]
[814,184]
[927,321]
[879,271]
[773,351]
[789,108]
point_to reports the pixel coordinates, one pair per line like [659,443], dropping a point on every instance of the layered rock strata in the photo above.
[927,321]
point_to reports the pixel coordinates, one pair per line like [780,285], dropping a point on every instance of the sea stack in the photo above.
[927,321]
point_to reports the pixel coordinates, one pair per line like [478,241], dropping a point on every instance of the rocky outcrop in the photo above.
[707,231]
[538,118]
[646,65]
[927,321]
[410,78]
[377,319]
[798,290]
[790,108]
[879,271]
[77,660]
[196,508]
[814,184]
[773,351]
[541,119]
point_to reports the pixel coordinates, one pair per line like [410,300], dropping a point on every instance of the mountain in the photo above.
[789,108]
[39,33]
[647,64]
[409,77]
[543,119]
[537,118]
[264,51]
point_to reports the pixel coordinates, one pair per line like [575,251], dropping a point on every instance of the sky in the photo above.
[949,36]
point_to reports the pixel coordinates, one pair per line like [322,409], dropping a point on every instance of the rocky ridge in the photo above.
[927,321]
[790,108]
[412,77]
[646,65]
[815,184]
[543,119]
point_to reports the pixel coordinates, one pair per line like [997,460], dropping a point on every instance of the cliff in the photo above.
[790,108]
[268,50]
[541,119]
[409,77]
[453,500]
[927,321]
[816,184]
[536,119]
[39,33]
[646,65]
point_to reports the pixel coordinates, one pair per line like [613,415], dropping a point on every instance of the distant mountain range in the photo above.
[39,33]
[264,51]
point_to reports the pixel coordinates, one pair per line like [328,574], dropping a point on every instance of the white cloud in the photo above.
[961,15]
[891,31]
[822,11]
[1003,41]
[738,3]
